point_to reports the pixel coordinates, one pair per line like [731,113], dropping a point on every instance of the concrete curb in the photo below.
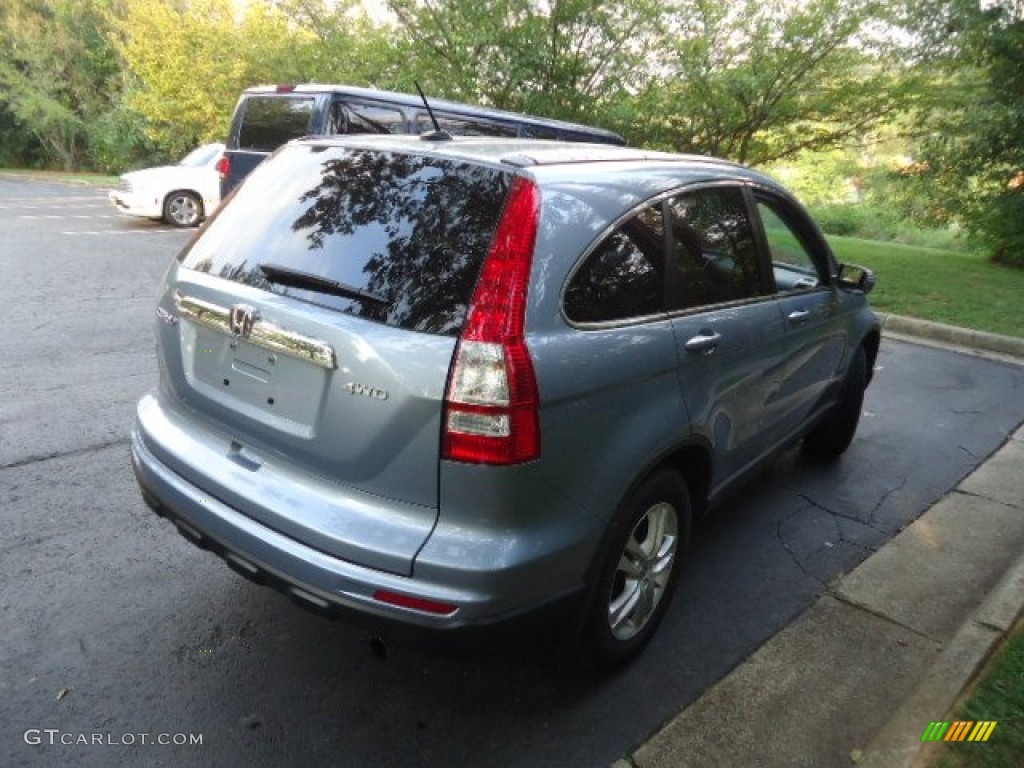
[951,334]
[898,744]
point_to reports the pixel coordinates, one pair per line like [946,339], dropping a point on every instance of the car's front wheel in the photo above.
[183,209]
[640,570]
[832,437]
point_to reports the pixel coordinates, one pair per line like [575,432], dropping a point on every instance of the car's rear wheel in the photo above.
[640,570]
[183,209]
[833,436]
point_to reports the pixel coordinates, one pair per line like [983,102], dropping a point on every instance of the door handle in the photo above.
[798,316]
[704,342]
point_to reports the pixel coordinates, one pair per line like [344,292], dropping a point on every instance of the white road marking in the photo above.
[78,202]
[38,216]
[121,231]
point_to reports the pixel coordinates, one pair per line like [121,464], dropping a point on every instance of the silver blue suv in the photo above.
[454,383]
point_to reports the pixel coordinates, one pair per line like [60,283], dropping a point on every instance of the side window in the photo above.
[714,256]
[352,117]
[793,263]
[623,277]
[464,126]
[543,132]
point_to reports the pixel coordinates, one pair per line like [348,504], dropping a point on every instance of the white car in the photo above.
[182,194]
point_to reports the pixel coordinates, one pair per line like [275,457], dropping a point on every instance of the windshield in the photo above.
[202,156]
[390,237]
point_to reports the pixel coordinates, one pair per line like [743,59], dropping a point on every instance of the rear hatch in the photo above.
[262,123]
[317,316]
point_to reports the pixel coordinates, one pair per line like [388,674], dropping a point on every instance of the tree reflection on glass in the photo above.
[410,231]
[416,228]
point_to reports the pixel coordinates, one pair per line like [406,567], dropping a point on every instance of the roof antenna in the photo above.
[438,134]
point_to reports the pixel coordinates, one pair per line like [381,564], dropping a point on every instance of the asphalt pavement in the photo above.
[886,649]
[112,625]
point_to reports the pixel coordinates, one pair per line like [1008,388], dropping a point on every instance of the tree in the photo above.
[187,66]
[972,159]
[752,80]
[59,76]
[761,80]
[571,59]
[190,60]
[344,45]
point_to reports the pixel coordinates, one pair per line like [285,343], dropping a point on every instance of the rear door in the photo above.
[727,326]
[263,122]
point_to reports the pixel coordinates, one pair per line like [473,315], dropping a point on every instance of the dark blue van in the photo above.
[268,116]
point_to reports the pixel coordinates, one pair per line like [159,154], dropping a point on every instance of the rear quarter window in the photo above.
[270,121]
[624,277]
[405,234]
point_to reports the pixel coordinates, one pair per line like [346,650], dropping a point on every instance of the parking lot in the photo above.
[114,625]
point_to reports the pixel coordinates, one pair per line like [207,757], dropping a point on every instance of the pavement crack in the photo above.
[968,451]
[792,555]
[819,505]
[885,498]
[65,454]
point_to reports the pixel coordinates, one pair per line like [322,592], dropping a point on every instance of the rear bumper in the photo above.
[334,587]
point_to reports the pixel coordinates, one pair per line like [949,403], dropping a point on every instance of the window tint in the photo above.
[353,117]
[792,262]
[465,126]
[715,259]
[270,121]
[404,235]
[624,276]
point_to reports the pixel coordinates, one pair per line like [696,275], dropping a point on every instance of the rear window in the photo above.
[400,238]
[270,121]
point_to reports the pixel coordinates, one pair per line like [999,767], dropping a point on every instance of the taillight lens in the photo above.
[223,166]
[492,401]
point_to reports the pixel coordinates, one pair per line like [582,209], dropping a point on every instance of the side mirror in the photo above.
[856,278]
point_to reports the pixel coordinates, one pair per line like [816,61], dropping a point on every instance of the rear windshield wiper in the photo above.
[298,279]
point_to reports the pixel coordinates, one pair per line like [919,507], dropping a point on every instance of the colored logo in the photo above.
[959,730]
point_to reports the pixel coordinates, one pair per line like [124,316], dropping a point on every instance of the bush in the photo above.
[874,222]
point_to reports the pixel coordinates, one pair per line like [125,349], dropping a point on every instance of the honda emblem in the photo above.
[242,319]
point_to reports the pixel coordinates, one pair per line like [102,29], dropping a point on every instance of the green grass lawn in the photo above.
[945,286]
[998,696]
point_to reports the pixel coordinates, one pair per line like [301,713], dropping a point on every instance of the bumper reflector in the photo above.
[415,603]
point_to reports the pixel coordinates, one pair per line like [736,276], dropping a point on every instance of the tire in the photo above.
[183,209]
[832,437]
[640,570]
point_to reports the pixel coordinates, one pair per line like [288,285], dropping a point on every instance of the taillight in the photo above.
[492,400]
[224,166]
